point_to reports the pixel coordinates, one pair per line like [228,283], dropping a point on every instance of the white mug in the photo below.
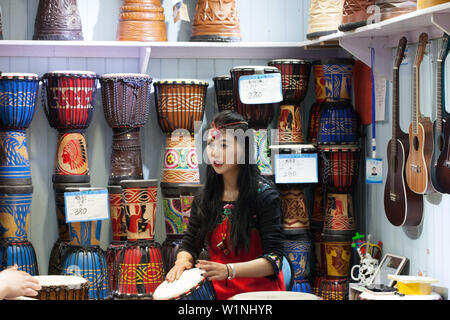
[367,269]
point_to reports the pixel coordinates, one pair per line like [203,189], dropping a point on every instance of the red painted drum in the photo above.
[339,215]
[336,254]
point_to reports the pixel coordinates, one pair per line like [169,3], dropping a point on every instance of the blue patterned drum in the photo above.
[14,160]
[15,204]
[18,92]
[298,249]
[339,124]
[21,253]
[89,263]
[338,79]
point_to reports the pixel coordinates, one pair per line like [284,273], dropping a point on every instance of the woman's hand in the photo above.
[184,261]
[213,270]
[15,283]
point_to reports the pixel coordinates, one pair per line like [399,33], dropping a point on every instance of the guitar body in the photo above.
[440,163]
[418,175]
[402,206]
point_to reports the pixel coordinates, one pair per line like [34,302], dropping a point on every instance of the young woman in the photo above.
[237,217]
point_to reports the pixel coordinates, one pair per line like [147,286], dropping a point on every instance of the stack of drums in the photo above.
[339,158]
[69,99]
[216,21]
[139,267]
[18,93]
[258,116]
[58,20]
[180,105]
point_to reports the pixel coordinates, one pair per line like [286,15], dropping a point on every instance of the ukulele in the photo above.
[420,135]
[440,163]
[401,205]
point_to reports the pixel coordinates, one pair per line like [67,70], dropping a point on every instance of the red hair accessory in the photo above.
[215,131]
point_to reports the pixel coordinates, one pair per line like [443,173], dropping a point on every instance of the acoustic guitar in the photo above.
[402,206]
[418,174]
[440,163]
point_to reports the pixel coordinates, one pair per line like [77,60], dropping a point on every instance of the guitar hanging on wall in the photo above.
[402,206]
[440,163]
[420,134]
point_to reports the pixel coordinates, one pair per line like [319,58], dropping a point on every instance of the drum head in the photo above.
[287,61]
[71,73]
[125,75]
[274,295]
[181,82]
[19,76]
[188,280]
[71,282]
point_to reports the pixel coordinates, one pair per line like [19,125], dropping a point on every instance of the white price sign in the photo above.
[260,88]
[296,168]
[86,205]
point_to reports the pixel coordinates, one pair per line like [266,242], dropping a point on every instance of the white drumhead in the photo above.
[72,282]
[19,74]
[188,279]
[274,295]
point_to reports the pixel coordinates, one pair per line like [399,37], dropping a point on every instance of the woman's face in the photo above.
[223,151]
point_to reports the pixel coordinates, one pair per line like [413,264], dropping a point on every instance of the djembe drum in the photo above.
[339,124]
[56,287]
[180,105]
[258,116]
[58,20]
[216,20]
[298,249]
[338,75]
[18,93]
[20,253]
[140,266]
[336,254]
[69,108]
[294,79]
[126,98]
[223,87]
[141,20]
[296,216]
[356,13]
[324,17]
[339,215]
[394,8]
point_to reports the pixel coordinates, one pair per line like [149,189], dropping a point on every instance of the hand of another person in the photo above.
[213,270]
[15,283]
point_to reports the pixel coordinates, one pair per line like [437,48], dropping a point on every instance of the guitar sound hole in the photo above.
[416,143]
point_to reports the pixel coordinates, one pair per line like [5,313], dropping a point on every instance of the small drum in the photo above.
[180,160]
[139,203]
[258,116]
[290,125]
[89,263]
[216,20]
[70,98]
[338,79]
[298,249]
[180,103]
[141,20]
[192,285]
[333,289]
[14,159]
[294,79]
[324,17]
[21,253]
[340,167]
[140,270]
[58,20]
[339,124]
[15,202]
[296,215]
[314,120]
[262,152]
[336,255]
[116,212]
[274,295]
[319,82]
[339,215]
[223,87]
[55,287]
[18,93]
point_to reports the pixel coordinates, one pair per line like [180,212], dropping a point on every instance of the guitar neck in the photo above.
[416,99]
[395,105]
[439,105]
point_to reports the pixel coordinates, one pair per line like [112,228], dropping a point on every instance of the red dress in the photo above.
[228,288]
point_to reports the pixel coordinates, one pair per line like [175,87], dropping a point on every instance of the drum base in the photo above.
[18,252]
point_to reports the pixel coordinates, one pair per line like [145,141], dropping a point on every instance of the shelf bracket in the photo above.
[144,57]
[360,48]
[441,21]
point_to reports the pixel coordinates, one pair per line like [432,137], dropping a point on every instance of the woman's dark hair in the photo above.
[210,205]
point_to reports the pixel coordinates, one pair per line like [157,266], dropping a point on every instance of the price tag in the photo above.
[296,168]
[260,88]
[374,170]
[86,205]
